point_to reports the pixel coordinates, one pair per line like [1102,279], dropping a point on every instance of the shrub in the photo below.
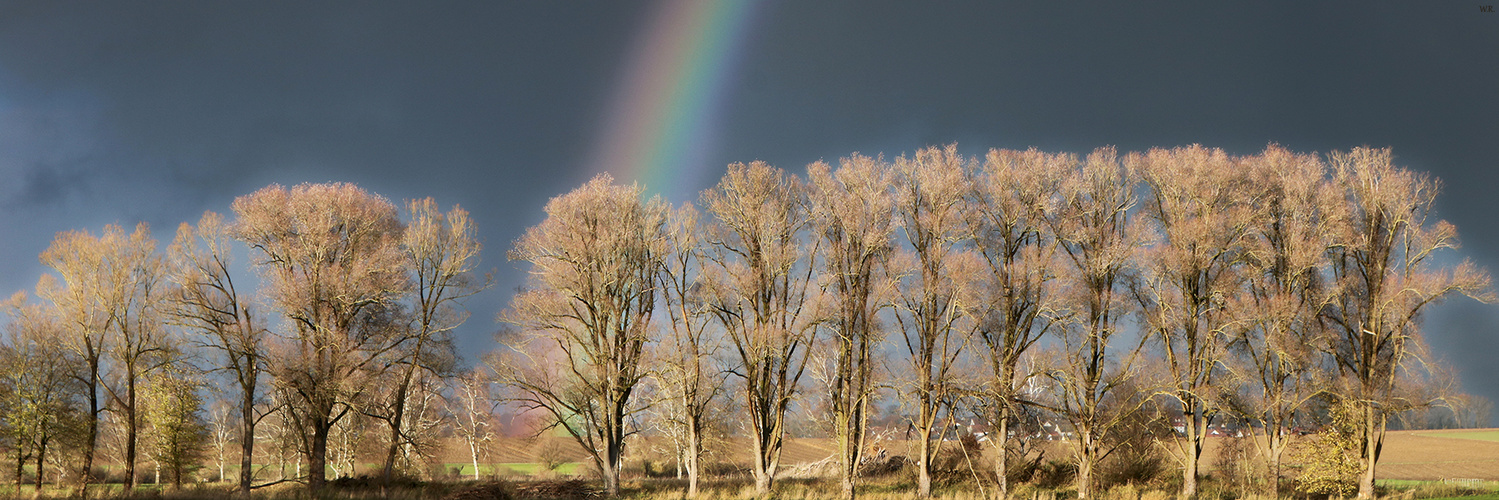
[1330,460]
[1239,466]
[1056,474]
[881,468]
[1132,469]
[551,454]
[957,459]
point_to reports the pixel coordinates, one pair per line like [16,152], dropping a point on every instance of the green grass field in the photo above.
[1441,490]
[1483,435]
[1415,483]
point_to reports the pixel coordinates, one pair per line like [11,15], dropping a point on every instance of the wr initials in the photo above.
[1486,8]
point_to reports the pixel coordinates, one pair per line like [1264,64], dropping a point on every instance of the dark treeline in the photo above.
[1156,296]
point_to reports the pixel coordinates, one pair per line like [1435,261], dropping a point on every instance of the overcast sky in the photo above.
[156,111]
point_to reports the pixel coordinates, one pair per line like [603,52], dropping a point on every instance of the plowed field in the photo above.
[1441,455]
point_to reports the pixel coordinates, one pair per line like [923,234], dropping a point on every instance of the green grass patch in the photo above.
[1484,435]
[1455,483]
[1442,490]
[515,468]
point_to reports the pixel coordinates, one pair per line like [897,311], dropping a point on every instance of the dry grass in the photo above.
[794,489]
[1408,455]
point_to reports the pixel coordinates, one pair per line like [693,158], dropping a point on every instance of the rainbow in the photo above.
[663,121]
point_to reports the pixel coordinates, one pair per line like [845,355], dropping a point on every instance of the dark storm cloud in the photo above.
[1075,76]
[157,111]
[41,187]
[1419,78]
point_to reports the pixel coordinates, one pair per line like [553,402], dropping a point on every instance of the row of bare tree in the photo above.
[1021,281]
[354,308]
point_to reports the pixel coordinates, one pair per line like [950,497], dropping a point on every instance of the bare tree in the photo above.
[1472,412]
[687,382]
[938,279]
[330,259]
[112,299]
[220,433]
[1093,224]
[85,319]
[1384,261]
[1015,304]
[594,262]
[210,306]
[852,216]
[1203,208]
[286,438]
[1279,334]
[138,303]
[473,408]
[757,277]
[442,251]
[425,408]
[344,442]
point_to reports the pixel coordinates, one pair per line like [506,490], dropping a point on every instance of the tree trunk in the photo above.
[21,470]
[1085,465]
[93,426]
[1195,431]
[926,420]
[615,449]
[1189,470]
[762,481]
[765,467]
[41,454]
[1373,440]
[387,473]
[924,468]
[611,476]
[694,453]
[851,445]
[317,456]
[399,411]
[473,453]
[131,419]
[1001,440]
[1275,449]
